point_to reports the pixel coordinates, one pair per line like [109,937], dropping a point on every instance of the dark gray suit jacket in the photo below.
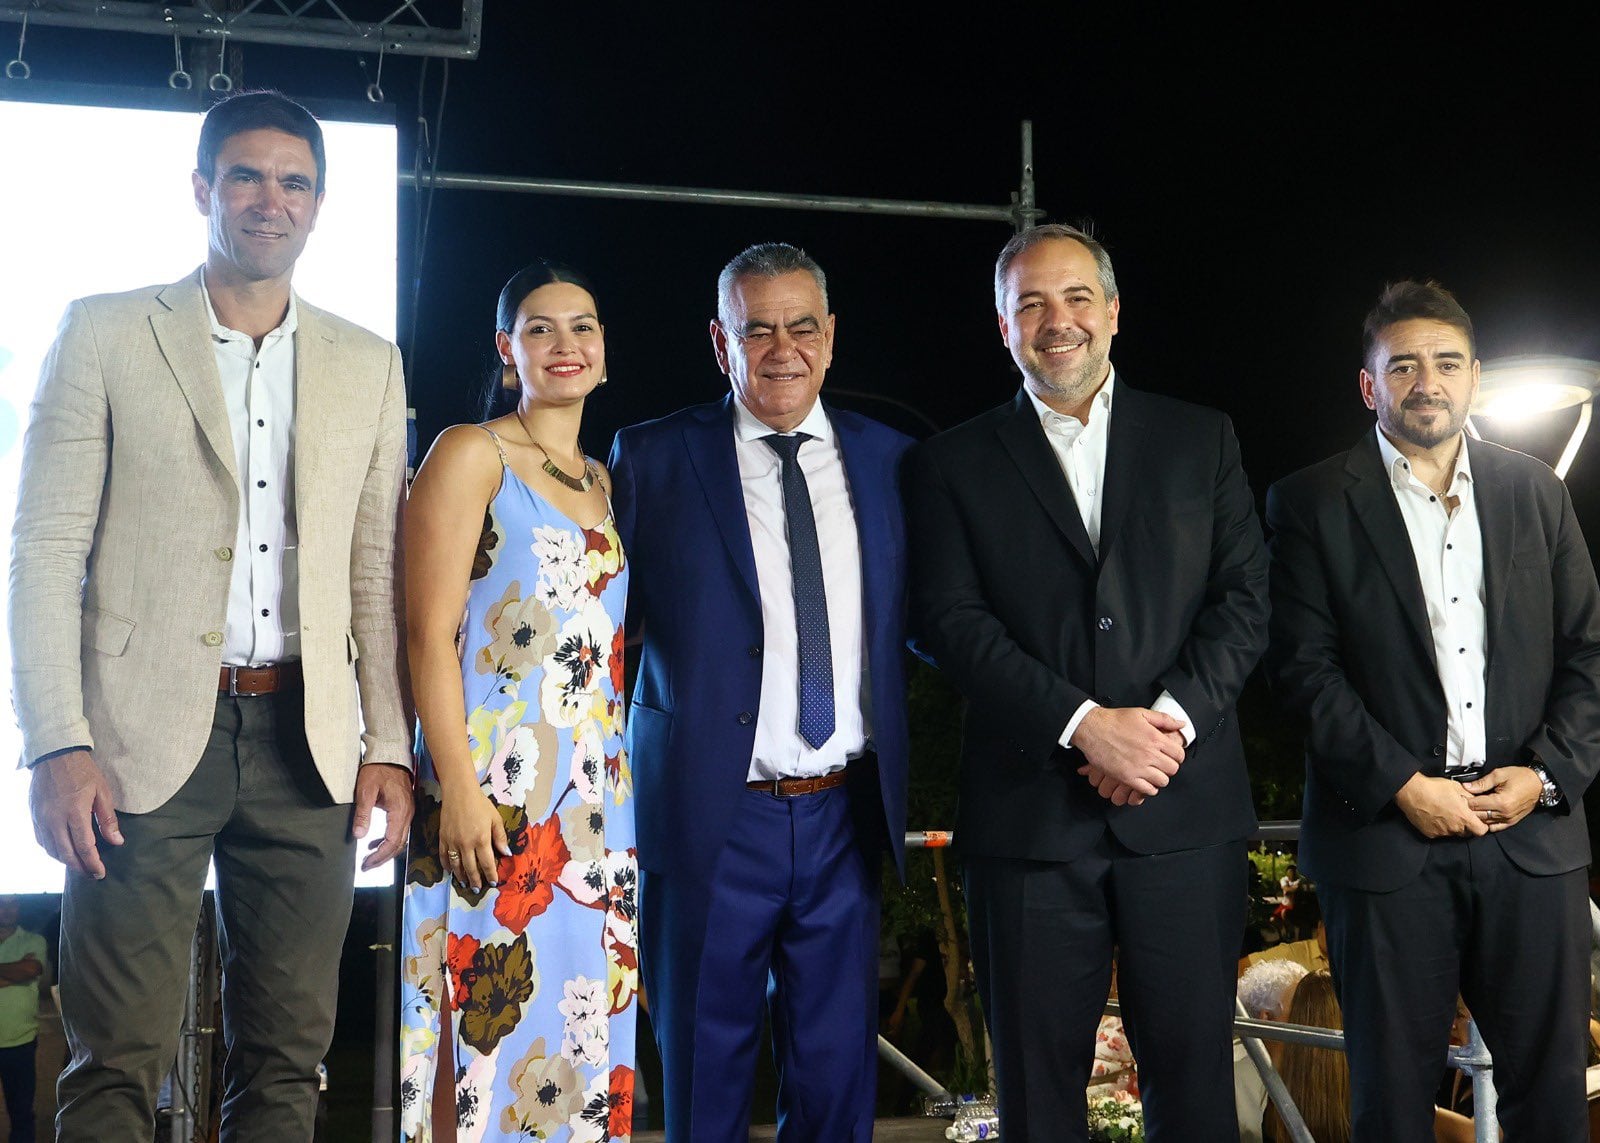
[1351,650]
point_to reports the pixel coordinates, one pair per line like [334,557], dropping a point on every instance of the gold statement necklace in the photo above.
[576,483]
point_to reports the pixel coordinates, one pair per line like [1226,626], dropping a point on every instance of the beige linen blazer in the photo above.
[122,551]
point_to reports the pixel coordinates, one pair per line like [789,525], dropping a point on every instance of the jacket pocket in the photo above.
[106,632]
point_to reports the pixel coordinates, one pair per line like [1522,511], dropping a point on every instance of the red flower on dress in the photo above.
[459,955]
[527,876]
[617,682]
[621,1124]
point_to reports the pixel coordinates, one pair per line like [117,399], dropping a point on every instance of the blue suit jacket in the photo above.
[694,596]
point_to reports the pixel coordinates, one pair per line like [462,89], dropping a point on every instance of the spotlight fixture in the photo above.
[1516,389]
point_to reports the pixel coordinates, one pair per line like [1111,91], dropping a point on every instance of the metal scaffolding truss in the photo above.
[404,27]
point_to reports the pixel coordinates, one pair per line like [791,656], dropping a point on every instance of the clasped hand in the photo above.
[1440,807]
[1131,753]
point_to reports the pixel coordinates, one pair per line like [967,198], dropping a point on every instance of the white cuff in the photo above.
[1166,704]
[1075,720]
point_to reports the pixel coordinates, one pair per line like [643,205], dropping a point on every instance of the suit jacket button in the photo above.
[212,639]
[224,554]
[1105,623]
[746,718]
[1438,751]
[754,652]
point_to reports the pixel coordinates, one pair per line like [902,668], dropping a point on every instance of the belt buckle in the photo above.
[777,789]
[233,681]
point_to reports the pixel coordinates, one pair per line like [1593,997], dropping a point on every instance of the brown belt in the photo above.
[795,787]
[251,682]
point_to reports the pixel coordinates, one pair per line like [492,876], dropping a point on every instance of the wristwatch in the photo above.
[1550,797]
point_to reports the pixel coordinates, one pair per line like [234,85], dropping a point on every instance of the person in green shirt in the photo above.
[22,960]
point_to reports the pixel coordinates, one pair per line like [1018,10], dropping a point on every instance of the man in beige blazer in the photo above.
[204,629]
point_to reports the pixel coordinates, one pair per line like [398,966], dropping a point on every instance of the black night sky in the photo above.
[1257,179]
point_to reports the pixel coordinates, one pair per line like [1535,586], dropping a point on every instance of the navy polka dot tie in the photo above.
[810,597]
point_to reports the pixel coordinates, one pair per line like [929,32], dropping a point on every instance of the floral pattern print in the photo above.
[539,974]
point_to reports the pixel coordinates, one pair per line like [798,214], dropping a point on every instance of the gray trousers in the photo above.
[285,862]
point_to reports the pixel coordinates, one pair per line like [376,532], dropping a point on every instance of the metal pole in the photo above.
[452,180]
[925,1083]
[1026,212]
[1293,1121]
[1475,1061]
[384,1126]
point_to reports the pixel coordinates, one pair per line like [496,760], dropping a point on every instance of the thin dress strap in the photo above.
[500,448]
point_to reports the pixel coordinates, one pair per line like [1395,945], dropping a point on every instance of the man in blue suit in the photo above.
[767,732]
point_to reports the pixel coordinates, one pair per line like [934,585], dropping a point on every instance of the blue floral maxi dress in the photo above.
[540,973]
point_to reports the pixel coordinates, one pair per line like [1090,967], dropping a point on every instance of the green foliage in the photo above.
[935,712]
[1274,748]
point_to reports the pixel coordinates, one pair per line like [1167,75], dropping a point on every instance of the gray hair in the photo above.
[1050,231]
[1267,986]
[766,260]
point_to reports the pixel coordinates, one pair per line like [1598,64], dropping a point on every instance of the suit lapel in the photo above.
[709,442]
[183,332]
[1371,495]
[1022,437]
[1497,521]
[1125,443]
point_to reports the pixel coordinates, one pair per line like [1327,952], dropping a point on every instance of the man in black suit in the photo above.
[1435,616]
[1090,572]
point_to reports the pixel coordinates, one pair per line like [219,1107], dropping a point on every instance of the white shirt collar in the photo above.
[1101,400]
[290,323]
[1399,468]
[748,427]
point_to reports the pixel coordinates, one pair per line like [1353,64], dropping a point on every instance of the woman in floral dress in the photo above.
[519,937]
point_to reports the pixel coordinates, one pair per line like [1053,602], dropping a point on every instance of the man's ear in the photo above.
[202,193]
[719,344]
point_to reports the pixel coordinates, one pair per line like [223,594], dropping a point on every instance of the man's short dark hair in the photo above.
[1048,232]
[255,111]
[1409,301]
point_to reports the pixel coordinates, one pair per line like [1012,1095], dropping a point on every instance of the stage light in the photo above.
[1516,389]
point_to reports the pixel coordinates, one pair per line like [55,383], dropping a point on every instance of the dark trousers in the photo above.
[17,1079]
[285,877]
[1516,947]
[1043,934]
[791,923]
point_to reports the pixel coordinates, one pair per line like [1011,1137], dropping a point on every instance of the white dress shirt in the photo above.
[780,751]
[1448,548]
[1081,452]
[264,594]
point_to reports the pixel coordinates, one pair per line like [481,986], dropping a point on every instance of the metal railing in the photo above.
[1472,1058]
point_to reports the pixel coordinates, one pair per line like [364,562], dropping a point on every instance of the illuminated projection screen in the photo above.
[98,199]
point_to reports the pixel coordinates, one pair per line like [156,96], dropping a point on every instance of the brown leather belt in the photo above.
[252,682]
[796,787]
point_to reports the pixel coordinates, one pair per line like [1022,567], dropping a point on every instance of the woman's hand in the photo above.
[471,835]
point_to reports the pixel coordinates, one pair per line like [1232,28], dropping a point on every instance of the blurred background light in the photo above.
[1517,389]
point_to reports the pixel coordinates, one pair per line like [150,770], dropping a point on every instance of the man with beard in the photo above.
[1089,570]
[1435,617]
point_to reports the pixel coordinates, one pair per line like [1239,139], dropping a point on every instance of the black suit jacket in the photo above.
[1351,650]
[1010,599]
